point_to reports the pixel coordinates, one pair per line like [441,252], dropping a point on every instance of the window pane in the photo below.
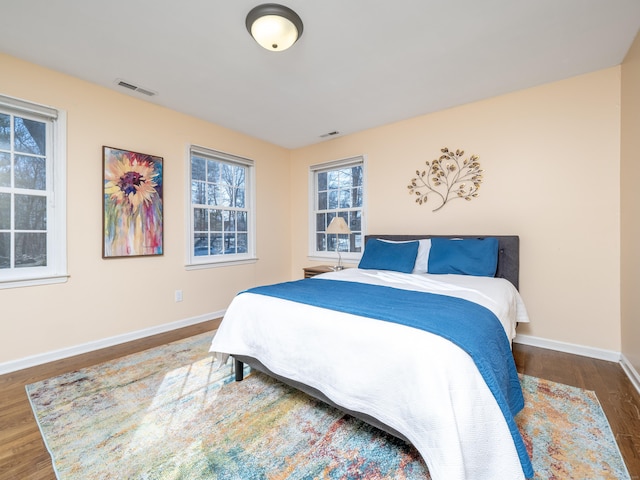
[5,169]
[344,243]
[5,131]
[345,198]
[322,201]
[243,243]
[229,221]
[355,221]
[213,171]
[5,250]
[357,242]
[5,211]
[216,244]
[31,249]
[215,221]
[198,171]
[333,199]
[239,198]
[356,175]
[30,212]
[30,172]
[229,173]
[332,179]
[240,177]
[213,194]
[321,242]
[229,244]
[321,224]
[242,222]
[218,195]
[200,245]
[331,242]
[322,181]
[30,136]
[345,179]
[198,190]
[227,195]
[226,174]
[356,197]
[200,220]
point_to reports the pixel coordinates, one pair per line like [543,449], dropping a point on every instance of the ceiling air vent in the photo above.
[135,88]
[330,134]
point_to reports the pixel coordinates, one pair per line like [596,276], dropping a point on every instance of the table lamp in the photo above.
[338,227]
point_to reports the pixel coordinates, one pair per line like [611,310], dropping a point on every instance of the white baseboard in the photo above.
[631,372]
[598,353]
[592,352]
[52,356]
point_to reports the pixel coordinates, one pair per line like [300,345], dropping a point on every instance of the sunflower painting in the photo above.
[132,213]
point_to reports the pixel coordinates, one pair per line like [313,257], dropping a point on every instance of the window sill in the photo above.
[32,282]
[230,263]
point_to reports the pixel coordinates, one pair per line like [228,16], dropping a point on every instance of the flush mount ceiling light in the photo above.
[275,27]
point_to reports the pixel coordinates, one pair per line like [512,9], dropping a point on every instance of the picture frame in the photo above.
[132,213]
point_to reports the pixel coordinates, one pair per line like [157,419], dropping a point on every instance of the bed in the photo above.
[447,384]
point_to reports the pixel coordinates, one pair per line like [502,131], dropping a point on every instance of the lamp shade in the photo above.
[339,226]
[275,27]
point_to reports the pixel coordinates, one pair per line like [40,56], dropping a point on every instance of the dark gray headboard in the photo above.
[508,251]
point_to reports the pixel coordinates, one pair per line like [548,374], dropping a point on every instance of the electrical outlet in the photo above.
[178,295]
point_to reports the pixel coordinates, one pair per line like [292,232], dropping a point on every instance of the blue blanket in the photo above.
[470,326]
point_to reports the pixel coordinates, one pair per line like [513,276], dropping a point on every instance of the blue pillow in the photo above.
[379,255]
[468,256]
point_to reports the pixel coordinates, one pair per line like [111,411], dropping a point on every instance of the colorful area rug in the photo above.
[168,413]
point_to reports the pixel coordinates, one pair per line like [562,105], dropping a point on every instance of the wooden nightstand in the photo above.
[313,271]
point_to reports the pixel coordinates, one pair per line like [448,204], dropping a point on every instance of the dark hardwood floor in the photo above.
[23,454]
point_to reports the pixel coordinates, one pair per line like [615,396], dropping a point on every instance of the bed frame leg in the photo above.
[239,367]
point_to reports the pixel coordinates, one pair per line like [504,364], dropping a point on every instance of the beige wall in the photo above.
[551,160]
[105,298]
[630,206]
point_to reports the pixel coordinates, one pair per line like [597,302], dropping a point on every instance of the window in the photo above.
[338,190]
[32,194]
[222,213]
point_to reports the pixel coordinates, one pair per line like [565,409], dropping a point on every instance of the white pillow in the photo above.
[422,260]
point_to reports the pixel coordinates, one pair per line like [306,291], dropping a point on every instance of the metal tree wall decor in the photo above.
[447,177]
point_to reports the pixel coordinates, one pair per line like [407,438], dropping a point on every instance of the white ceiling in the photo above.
[359,63]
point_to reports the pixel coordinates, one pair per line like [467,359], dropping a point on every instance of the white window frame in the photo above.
[330,255]
[56,163]
[210,261]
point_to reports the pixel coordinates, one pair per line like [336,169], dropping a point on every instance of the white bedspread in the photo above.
[417,383]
